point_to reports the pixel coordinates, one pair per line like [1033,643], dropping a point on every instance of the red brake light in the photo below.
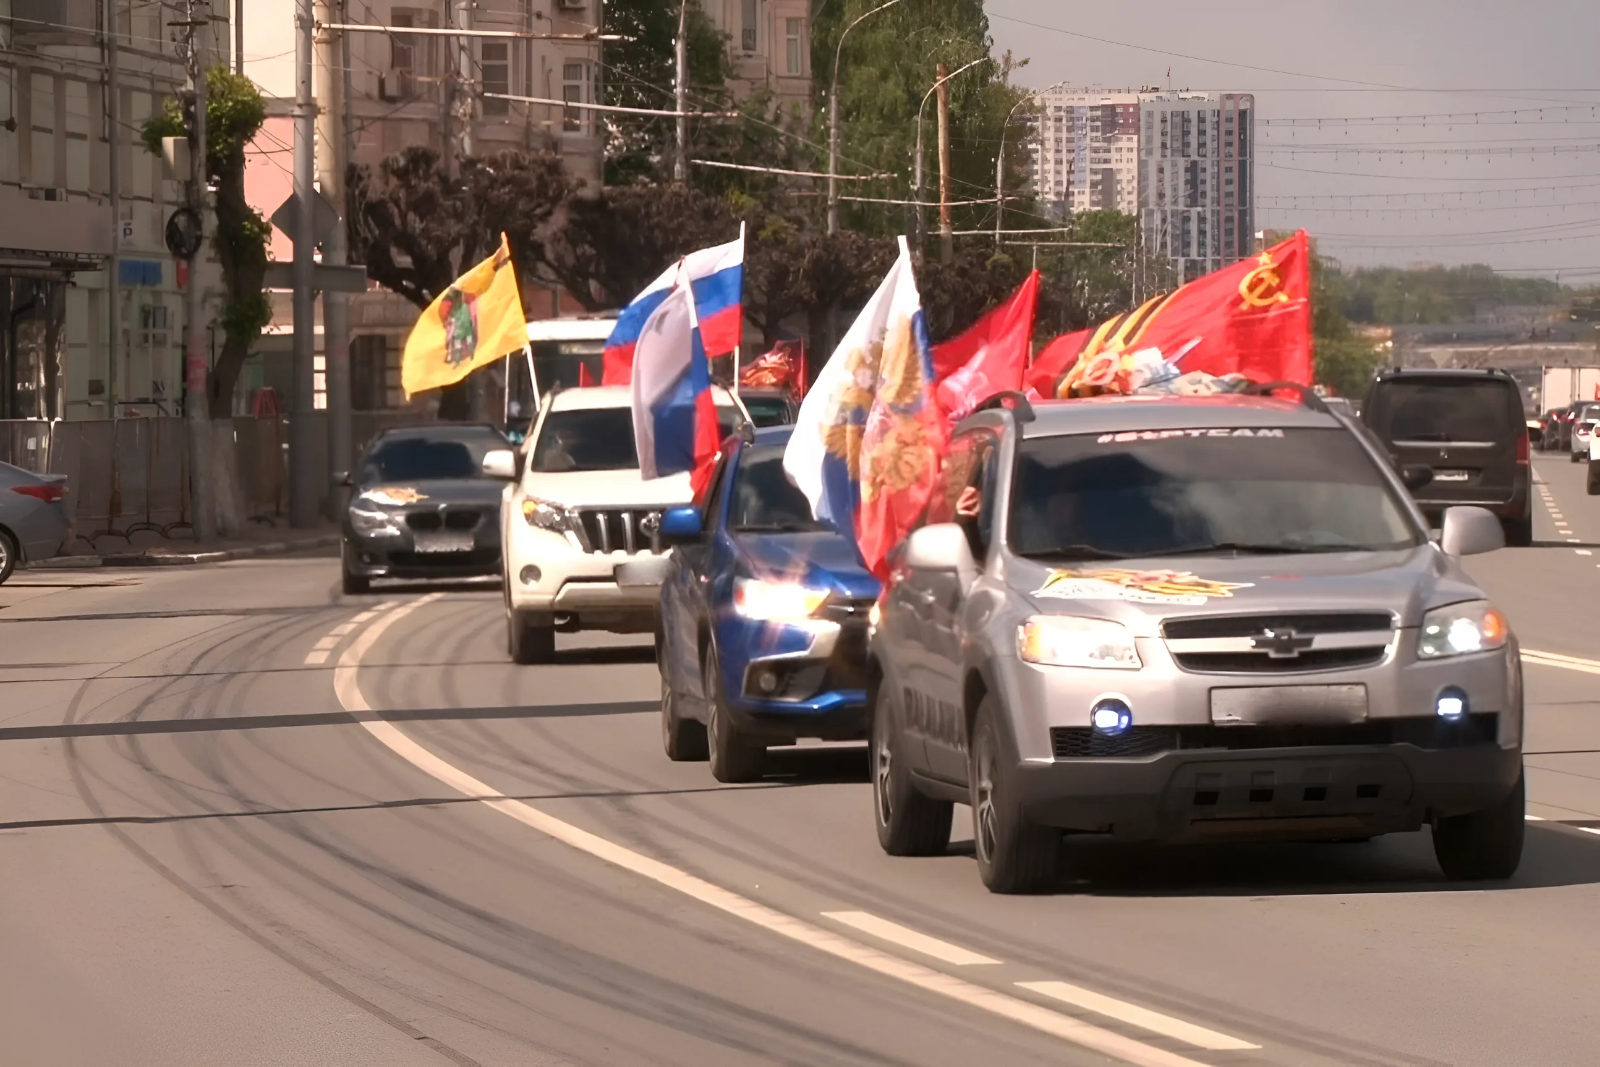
[50,494]
[1522,449]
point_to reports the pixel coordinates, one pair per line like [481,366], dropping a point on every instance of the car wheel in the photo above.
[684,739]
[8,556]
[909,823]
[531,637]
[1574,456]
[1014,855]
[1592,483]
[1485,844]
[734,757]
[1519,532]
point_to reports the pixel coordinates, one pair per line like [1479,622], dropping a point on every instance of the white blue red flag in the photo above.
[674,415]
[867,443]
[716,275]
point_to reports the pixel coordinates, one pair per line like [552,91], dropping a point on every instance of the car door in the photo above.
[685,600]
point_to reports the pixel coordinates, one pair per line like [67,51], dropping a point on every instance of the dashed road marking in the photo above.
[1014,1009]
[906,937]
[1556,659]
[1133,1015]
[322,649]
[314,659]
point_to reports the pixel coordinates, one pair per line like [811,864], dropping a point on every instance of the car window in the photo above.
[434,457]
[1172,491]
[598,439]
[763,496]
[1447,410]
[768,410]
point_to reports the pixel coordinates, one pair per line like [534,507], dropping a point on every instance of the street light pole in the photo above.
[196,404]
[1000,160]
[304,473]
[833,121]
[917,170]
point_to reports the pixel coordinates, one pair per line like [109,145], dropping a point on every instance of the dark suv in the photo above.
[1468,427]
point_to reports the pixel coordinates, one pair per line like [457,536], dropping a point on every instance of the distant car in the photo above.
[1549,429]
[770,407]
[763,619]
[1561,438]
[421,506]
[1469,428]
[1585,413]
[33,517]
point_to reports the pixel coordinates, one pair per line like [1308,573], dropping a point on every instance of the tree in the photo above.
[1344,361]
[234,114]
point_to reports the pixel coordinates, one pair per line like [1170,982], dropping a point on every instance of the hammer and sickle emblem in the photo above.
[1263,286]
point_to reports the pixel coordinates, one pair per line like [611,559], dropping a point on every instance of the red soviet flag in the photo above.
[1252,319]
[1053,360]
[990,356]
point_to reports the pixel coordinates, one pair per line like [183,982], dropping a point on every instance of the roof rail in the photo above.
[1021,409]
[1308,398]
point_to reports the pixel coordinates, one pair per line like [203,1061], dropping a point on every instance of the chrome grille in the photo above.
[608,530]
[1279,644]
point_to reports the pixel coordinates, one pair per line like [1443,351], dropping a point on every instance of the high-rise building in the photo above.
[1180,160]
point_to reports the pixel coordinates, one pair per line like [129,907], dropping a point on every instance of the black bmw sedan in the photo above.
[420,506]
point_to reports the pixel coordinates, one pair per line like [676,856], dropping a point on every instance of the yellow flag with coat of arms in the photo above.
[474,322]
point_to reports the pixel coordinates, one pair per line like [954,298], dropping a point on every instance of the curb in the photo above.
[185,559]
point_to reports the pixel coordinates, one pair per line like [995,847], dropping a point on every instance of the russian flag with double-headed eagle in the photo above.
[715,277]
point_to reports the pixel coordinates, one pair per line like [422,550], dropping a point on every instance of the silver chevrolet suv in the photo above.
[1189,619]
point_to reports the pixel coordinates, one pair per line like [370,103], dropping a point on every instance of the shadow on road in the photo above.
[816,766]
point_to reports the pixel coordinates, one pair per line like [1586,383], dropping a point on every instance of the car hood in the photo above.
[1140,593]
[430,492]
[822,559]
[625,488]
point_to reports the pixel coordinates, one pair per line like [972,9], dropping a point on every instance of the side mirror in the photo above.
[682,526]
[1416,476]
[343,478]
[942,546]
[500,463]
[1468,531]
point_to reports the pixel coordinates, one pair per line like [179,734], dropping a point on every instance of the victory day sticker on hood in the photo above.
[1139,587]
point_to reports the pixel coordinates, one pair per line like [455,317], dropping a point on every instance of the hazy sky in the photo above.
[1435,78]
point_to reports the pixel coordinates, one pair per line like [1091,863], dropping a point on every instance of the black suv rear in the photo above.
[1468,426]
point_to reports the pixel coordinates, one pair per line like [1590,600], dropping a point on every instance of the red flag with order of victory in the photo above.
[990,356]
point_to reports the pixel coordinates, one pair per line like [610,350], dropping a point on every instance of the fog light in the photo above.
[767,681]
[1452,704]
[529,575]
[1111,717]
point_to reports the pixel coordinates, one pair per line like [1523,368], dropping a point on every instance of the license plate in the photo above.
[1452,476]
[443,542]
[1285,704]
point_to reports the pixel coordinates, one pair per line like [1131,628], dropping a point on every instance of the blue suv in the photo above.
[763,619]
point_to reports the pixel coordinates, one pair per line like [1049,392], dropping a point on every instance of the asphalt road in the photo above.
[246,820]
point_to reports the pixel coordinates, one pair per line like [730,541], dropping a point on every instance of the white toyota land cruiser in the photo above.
[580,526]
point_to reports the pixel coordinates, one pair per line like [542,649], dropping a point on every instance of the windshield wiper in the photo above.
[1075,552]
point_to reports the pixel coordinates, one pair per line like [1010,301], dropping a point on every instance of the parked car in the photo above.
[1185,619]
[421,506]
[33,517]
[763,619]
[1468,426]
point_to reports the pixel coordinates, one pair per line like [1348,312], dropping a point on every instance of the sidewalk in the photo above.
[147,549]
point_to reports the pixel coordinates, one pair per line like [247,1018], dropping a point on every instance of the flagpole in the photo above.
[533,379]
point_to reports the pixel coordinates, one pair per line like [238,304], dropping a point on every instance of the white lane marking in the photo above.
[1534,818]
[1570,663]
[315,658]
[341,630]
[1133,1015]
[1589,830]
[363,617]
[1583,552]
[1007,1007]
[325,644]
[906,937]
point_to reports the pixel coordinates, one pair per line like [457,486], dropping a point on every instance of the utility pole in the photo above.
[238,36]
[114,189]
[331,149]
[680,163]
[196,402]
[946,238]
[464,77]
[304,476]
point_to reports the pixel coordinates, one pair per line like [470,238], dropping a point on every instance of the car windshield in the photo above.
[433,457]
[764,498]
[1458,410]
[597,439]
[1173,492]
[768,410]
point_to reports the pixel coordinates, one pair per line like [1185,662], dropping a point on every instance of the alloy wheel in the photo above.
[983,811]
[883,764]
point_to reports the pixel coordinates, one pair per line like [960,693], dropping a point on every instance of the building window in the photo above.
[496,77]
[792,38]
[748,21]
[572,92]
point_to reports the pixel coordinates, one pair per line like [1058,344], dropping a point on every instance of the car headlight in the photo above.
[367,521]
[547,516]
[1475,626]
[756,598]
[1070,641]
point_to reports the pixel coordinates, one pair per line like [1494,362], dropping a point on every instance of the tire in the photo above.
[1592,482]
[1486,844]
[683,739]
[1014,855]
[909,823]
[734,757]
[530,637]
[1574,456]
[8,556]
[1519,532]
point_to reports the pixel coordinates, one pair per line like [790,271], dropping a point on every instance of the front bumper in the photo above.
[549,573]
[784,681]
[397,557]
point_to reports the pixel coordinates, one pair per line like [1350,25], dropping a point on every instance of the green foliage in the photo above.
[1395,296]
[235,110]
[1343,361]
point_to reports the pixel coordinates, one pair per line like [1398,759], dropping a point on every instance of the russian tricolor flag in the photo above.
[716,276]
[674,416]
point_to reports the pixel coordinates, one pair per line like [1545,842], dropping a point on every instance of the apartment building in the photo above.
[769,43]
[91,303]
[1182,161]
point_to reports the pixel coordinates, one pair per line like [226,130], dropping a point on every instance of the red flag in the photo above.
[1053,361]
[990,356]
[1252,319]
[584,377]
[777,369]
